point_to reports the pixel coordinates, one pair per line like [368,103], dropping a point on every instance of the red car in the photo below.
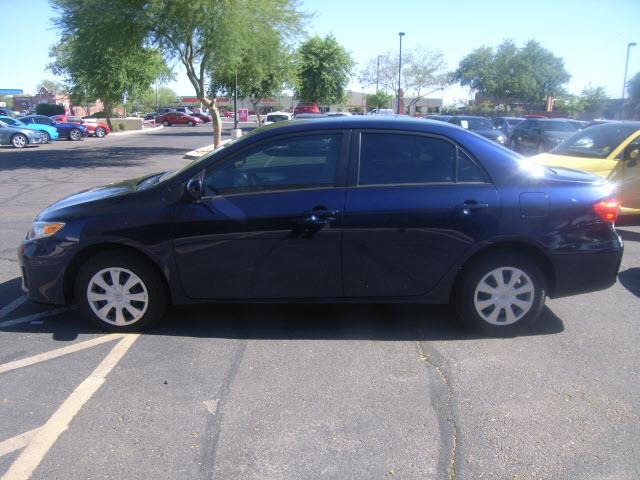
[177,118]
[97,129]
[306,108]
[202,116]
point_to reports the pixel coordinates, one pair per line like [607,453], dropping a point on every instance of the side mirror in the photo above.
[193,189]
[632,155]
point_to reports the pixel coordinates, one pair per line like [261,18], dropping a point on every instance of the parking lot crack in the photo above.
[444,404]
[216,415]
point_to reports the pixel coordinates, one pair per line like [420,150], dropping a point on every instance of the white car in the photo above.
[381,111]
[274,117]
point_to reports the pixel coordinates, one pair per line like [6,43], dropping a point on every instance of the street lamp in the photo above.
[624,83]
[378,73]
[400,34]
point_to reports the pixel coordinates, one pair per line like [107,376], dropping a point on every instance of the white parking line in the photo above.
[34,316]
[46,436]
[7,309]
[58,352]
[16,443]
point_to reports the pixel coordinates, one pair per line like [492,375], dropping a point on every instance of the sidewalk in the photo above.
[198,152]
[144,130]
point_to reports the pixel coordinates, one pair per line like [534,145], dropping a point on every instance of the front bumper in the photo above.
[43,264]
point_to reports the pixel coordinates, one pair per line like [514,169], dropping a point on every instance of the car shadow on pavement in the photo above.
[376,322]
[83,157]
[630,279]
[629,235]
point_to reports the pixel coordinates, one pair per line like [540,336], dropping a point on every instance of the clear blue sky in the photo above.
[590,35]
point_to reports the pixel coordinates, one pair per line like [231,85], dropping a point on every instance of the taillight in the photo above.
[607,210]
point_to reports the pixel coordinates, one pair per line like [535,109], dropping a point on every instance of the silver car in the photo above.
[19,137]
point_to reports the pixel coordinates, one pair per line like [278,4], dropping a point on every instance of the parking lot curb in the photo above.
[129,132]
[198,152]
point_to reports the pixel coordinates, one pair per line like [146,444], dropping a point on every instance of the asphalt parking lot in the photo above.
[301,391]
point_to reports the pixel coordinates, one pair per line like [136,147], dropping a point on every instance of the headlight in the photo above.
[501,139]
[44,229]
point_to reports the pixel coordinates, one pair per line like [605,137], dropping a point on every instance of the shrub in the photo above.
[49,109]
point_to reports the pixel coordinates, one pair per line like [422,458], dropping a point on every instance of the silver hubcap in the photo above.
[117,296]
[75,134]
[100,132]
[19,141]
[504,296]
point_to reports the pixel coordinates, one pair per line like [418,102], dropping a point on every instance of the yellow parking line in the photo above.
[29,459]
[16,443]
[58,352]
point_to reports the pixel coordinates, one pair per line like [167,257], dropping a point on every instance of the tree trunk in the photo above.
[257,110]
[216,123]
[107,114]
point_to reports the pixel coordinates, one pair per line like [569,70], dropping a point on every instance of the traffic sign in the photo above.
[11,91]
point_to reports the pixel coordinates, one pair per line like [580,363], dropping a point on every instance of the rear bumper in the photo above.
[585,272]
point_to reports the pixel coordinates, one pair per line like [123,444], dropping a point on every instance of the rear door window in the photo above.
[391,158]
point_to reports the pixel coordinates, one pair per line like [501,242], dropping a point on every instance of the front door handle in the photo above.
[318,217]
[469,206]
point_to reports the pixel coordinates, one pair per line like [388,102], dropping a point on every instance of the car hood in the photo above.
[558,134]
[72,204]
[492,134]
[71,125]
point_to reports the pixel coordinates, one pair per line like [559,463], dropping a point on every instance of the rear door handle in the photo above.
[316,217]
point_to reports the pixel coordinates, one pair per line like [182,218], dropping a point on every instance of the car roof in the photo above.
[470,117]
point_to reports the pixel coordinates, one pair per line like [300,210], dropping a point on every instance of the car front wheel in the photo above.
[191,124]
[120,292]
[19,140]
[75,134]
[500,293]
[166,124]
[46,137]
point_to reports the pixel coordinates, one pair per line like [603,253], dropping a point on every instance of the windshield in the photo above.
[476,124]
[514,121]
[557,126]
[597,141]
[277,118]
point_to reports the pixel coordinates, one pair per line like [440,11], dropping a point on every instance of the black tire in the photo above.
[472,276]
[155,290]
[166,123]
[191,124]
[19,140]
[46,137]
[75,134]
[100,132]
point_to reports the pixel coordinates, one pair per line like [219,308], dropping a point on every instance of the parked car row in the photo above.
[48,129]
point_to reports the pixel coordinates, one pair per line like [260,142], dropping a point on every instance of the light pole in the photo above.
[378,73]
[400,34]
[235,104]
[624,83]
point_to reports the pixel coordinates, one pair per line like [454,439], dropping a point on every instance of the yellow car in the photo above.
[611,150]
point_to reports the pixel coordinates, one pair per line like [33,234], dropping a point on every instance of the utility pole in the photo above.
[378,73]
[235,104]
[401,34]
[624,82]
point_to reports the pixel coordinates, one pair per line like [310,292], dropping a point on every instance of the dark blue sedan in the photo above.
[72,131]
[336,209]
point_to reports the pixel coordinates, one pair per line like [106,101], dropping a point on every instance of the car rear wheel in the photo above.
[501,292]
[191,124]
[100,132]
[166,123]
[120,292]
[75,134]
[19,140]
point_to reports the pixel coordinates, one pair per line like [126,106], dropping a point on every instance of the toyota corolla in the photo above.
[368,209]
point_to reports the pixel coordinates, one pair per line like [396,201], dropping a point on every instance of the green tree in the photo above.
[208,36]
[104,55]
[423,72]
[7,99]
[379,100]
[324,68]
[508,73]
[593,100]
[634,93]
[569,105]
[52,86]
[264,69]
